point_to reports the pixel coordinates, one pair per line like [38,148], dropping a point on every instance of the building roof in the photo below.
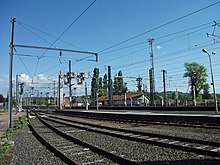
[120,97]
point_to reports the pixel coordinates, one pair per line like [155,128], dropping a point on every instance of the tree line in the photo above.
[196,73]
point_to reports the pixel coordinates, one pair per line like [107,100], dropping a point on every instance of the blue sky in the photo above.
[105,24]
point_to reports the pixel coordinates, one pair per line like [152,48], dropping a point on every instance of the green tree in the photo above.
[118,84]
[100,87]
[197,74]
[115,85]
[206,94]
[94,84]
[105,85]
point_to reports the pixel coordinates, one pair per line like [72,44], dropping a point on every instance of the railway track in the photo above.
[207,122]
[72,150]
[201,147]
[165,123]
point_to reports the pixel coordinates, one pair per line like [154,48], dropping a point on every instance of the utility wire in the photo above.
[69,26]
[50,35]
[34,33]
[160,61]
[63,33]
[23,62]
[127,54]
[165,24]
[165,36]
[170,64]
[182,51]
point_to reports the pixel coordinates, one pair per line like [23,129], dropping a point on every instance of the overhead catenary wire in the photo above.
[63,34]
[146,48]
[34,33]
[168,36]
[26,26]
[177,71]
[183,51]
[165,36]
[160,26]
[70,26]
[160,43]
[23,62]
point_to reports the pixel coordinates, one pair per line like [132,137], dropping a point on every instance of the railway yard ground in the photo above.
[26,148]
[5,159]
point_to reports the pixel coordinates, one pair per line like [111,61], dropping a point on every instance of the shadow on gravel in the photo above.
[184,162]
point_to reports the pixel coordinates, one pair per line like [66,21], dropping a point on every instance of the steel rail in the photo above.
[96,149]
[179,124]
[163,144]
[52,148]
[212,120]
[143,133]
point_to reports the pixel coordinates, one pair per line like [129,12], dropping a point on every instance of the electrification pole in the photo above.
[86,93]
[13,20]
[60,81]
[152,81]
[110,86]
[70,92]
[164,87]
[54,92]
[97,94]
[17,94]
[193,84]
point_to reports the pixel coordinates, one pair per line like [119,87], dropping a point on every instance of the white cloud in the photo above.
[158,47]
[24,78]
[41,78]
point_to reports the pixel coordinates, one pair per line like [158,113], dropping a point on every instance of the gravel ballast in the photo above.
[208,134]
[140,152]
[28,150]
[144,153]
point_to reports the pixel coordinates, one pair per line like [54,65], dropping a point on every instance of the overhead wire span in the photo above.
[182,51]
[69,26]
[165,36]
[160,43]
[49,69]
[35,33]
[173,73]
[50,35]
[23,62]
[63,33]
[160,26]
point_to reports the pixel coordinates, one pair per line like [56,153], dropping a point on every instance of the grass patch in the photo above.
[4,147]
[3,110]
[22,122]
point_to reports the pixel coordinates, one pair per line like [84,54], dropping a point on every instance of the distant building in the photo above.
[130,100]
[76,102]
